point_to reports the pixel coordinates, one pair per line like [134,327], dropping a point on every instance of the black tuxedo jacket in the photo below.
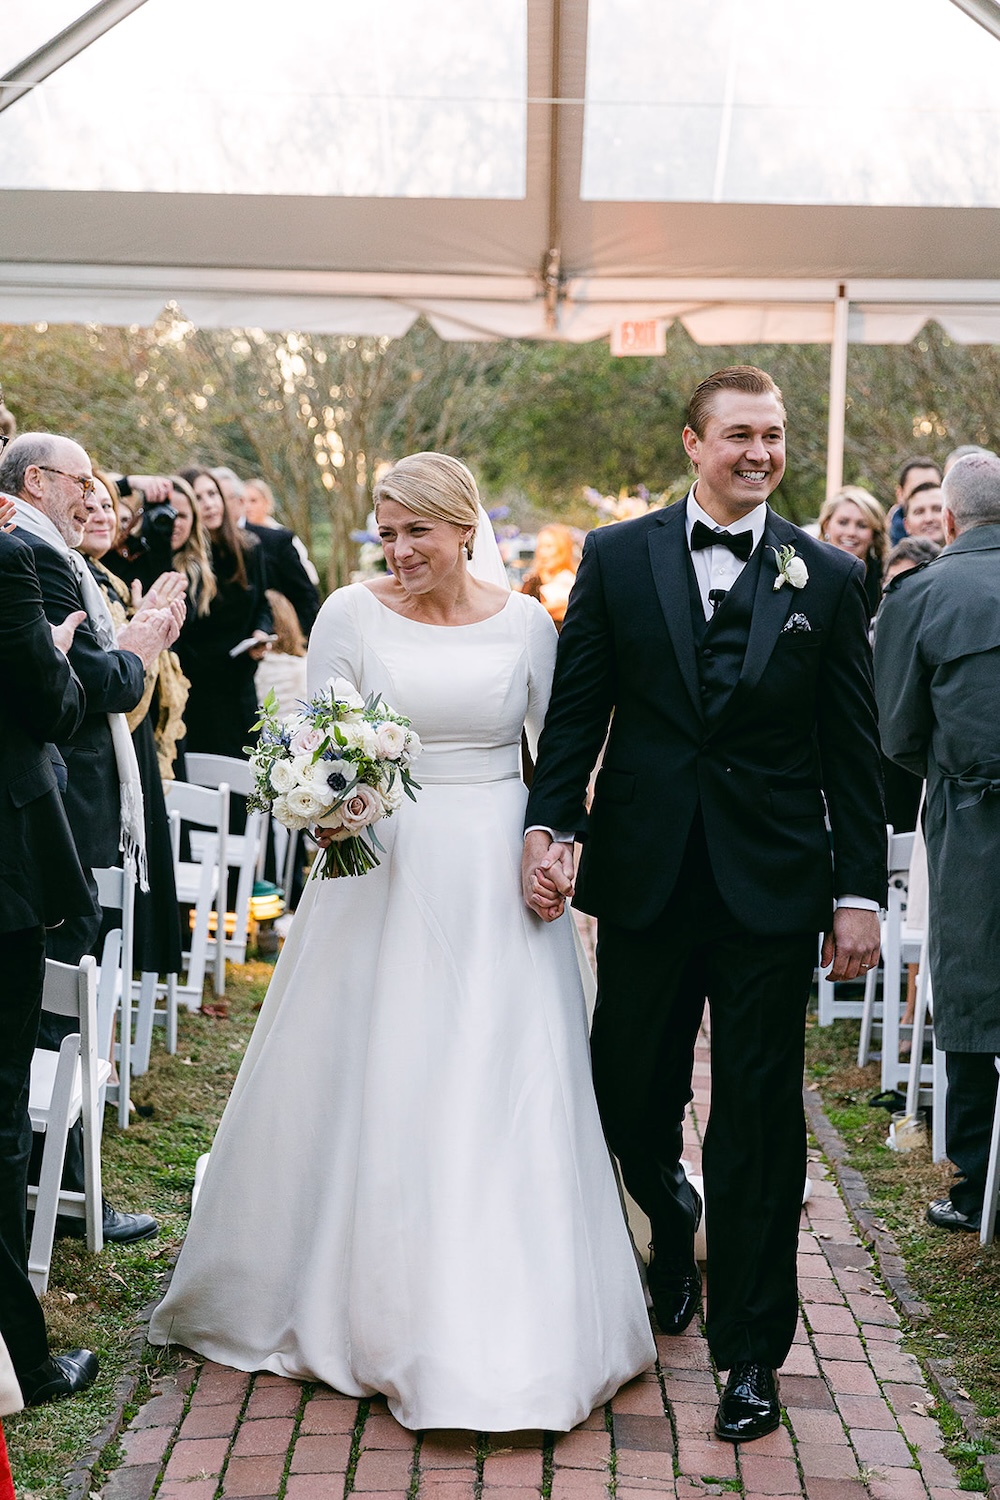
[41,700]
[795,737]
[113,682]
[285,572]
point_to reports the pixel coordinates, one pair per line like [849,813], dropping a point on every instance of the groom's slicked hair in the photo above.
[746,378]
[433,485]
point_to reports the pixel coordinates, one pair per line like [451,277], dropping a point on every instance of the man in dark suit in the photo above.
[937,664]
[52,480]
[735,674]
[41,882]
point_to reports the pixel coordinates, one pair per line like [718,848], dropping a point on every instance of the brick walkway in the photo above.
[858,1416]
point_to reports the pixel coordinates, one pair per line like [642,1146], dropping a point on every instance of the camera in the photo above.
[149,539]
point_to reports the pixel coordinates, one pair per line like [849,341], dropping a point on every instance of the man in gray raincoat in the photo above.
[937,679]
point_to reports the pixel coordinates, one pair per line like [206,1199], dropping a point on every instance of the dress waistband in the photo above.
[467,763]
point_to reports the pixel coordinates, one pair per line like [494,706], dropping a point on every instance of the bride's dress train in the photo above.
[410,1192]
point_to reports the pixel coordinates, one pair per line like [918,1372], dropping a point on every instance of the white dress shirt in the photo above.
[717,567]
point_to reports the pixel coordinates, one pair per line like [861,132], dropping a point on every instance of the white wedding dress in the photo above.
[409,1191]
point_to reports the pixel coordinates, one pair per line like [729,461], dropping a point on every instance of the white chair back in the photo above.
[116,892]
[201,881]
[66,1087]
[246,850]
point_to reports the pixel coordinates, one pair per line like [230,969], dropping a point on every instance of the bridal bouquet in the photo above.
[342,763]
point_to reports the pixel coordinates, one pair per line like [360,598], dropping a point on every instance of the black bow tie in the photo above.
[740,543]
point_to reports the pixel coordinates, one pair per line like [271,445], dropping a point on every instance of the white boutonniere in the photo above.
[791,569]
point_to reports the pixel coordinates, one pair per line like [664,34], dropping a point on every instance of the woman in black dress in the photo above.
[223,703]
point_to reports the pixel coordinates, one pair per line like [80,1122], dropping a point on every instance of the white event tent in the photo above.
[557,169]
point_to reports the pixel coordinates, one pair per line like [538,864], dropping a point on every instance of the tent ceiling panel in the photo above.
[325,174]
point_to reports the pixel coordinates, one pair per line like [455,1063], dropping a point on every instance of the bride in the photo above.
[409,1192]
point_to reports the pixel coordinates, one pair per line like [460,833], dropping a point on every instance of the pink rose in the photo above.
[362,807]
[307,740]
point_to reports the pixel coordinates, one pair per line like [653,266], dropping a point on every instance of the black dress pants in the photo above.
[968,1125]
[652,988]
[21,1320]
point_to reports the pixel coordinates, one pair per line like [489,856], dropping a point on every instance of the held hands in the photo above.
[547,875]
[852,947]
[62,635]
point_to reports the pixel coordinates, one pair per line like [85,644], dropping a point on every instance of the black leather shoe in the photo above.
[945,1215]
[675,1286]
[59,1375]
[676,1297]
[119,1228]
[749,1407]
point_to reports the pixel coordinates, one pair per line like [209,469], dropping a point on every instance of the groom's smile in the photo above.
[740,454]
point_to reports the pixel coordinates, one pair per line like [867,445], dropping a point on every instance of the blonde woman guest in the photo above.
[553,572]
[854,521]
[447,1230]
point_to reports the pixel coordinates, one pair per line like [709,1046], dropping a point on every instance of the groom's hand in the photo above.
[546,874]
[853,945]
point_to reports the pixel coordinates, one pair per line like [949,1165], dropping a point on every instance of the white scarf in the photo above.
[132,842]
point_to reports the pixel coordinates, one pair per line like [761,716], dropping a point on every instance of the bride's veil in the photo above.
[486,562]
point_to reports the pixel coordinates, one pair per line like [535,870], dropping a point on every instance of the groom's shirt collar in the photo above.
[715,568]
[754,520]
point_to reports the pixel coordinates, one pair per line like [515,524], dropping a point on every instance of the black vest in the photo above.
[721,642]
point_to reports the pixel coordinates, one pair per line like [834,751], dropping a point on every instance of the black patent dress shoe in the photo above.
[945,1215]
[675,1286]
[119,1228]
[749,1407]
[59,1375]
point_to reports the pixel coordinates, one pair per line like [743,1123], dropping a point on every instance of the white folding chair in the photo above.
[898,948]
[244,851]
[926,1083]
[830,1006]
[989,1216]
[66,1087]
[116,892]
[147,1014]
[201,881]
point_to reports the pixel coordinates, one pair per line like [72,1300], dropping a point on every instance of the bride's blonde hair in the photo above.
[432,485]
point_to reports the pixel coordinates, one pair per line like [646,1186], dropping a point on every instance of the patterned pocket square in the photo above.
[795,623]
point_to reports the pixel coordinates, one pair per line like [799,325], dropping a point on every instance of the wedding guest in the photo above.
[53,484]
[913,472]
[937,663]
[962,451]
[853,520]
[922,513]
[553,571]
[911,552]
[41,700]
[258,510]
[157,935]
[738,715]
[222,704]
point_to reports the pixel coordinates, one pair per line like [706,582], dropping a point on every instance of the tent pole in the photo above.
[986,12]
[552,268]
[838,395]
[70,42]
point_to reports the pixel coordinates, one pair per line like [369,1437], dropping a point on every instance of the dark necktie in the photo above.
[740,543]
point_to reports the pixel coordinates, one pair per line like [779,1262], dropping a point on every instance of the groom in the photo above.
[728,651]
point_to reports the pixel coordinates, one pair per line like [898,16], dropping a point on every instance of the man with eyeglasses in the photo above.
[51,480]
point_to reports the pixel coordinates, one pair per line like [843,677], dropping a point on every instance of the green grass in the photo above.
[948,1270]
[94,1302]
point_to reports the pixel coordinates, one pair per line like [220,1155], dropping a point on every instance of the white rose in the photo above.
[303,803]
[797,572]
[345,692]
[306,740]
[413,745]
[332,819]
[282,776]
[285,816]
[302,768]
[362,807]
[392,794]
[360,736]
[391,740]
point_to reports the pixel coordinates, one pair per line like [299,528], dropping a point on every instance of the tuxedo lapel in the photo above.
[669,559]
[771,608]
